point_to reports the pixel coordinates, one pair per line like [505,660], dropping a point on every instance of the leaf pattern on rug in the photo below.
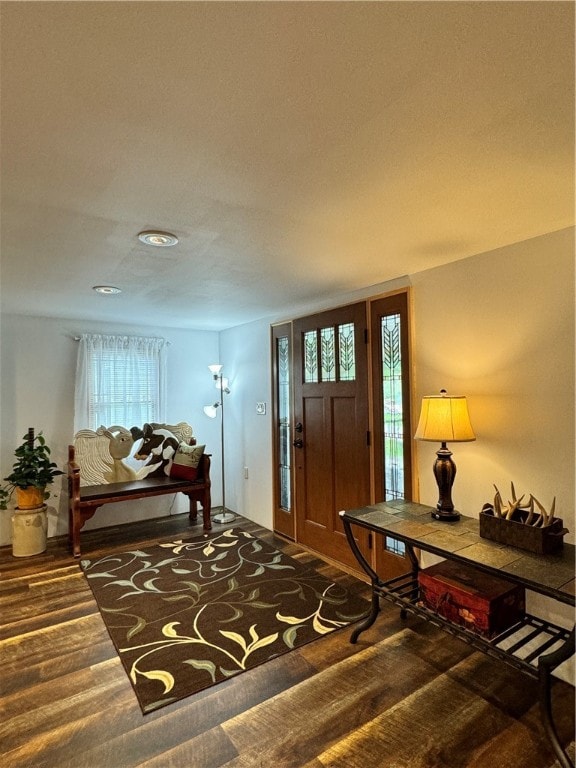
[190,614]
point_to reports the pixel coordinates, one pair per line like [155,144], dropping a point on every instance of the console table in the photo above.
[534,646]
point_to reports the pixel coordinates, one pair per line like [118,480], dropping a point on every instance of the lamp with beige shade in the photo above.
[444,418]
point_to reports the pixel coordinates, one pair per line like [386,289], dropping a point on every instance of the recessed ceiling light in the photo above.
[106,289]
[157,238]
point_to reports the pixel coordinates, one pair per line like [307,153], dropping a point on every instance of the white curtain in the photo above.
[120,380]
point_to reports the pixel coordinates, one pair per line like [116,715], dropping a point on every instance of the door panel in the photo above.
[332,468]
[314,462]
[390,350]
[284,521]
[348,486]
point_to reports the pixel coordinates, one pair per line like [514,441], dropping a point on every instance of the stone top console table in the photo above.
[534,645]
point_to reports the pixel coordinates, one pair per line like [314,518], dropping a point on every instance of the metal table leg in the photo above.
[546,664]
[375,607]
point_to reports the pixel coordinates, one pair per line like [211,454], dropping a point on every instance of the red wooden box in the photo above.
[481,603]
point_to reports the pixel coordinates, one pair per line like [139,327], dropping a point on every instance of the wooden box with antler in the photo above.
[527,525]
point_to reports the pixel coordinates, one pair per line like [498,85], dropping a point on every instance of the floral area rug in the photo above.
[187,615]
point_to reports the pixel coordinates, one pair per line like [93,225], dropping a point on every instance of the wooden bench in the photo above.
[84,500]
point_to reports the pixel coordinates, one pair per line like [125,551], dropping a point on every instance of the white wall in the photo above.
[246,353]
[499,328]
[38,363]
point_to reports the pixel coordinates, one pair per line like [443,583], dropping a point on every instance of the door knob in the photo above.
[298,427]
[299,443]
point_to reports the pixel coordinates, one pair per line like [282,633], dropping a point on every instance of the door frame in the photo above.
[405,297]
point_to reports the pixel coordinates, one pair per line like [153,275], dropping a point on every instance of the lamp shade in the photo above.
[444,418]
[211,410]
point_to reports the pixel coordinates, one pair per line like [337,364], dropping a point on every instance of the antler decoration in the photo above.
[536,519]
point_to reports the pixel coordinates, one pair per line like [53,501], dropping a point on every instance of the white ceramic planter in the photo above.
[29,531]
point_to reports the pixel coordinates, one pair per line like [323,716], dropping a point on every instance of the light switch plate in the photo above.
[261,409]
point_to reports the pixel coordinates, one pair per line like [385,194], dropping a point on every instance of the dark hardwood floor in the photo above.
[406,694]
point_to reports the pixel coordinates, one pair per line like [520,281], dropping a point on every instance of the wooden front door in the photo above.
[330,430]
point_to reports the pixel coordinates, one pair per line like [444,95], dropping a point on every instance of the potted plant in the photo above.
[31,473]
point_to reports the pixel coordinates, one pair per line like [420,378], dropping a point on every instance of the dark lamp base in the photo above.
[441,514]
[444,472]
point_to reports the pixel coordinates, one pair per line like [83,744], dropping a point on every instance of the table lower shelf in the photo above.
[519,646]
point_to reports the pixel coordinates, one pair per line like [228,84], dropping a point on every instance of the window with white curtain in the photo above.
[120,380]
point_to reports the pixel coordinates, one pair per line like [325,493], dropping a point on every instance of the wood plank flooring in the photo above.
[406,695]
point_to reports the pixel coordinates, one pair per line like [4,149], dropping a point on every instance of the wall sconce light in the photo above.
[444,418]
[221,383]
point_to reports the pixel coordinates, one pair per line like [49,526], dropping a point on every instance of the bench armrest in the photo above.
[204,469]
[73,478]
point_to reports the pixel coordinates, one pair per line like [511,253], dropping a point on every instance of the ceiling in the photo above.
[299,150]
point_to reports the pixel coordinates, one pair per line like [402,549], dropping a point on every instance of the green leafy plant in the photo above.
[32,467]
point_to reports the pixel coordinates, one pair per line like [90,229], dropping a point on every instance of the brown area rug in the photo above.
[187,615]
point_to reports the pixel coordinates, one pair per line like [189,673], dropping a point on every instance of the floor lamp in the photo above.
[225,516]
